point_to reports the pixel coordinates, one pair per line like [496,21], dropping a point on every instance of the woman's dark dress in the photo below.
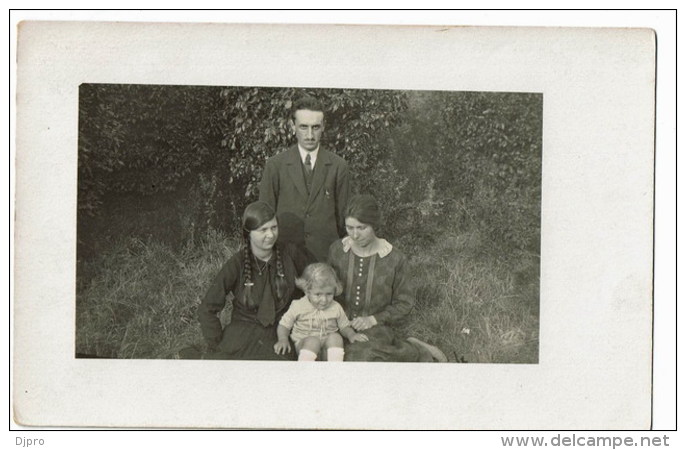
[251,333]
[378,286]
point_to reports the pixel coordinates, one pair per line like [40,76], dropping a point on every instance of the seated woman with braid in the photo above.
[261,277]
[377,291]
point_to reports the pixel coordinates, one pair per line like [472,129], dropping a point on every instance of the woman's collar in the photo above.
[384,247]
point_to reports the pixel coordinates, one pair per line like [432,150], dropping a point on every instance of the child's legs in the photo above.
[333,340]
[308,348]
[334,347]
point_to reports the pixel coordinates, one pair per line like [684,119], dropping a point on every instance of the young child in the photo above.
[316,322]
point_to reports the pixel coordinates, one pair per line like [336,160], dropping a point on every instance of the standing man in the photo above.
[307,185]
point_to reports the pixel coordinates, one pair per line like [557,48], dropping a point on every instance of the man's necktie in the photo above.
[308,173]
[308,165]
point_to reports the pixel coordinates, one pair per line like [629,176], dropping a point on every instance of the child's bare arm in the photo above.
[282,345]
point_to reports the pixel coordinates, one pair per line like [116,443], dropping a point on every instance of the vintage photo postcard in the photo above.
[333,227]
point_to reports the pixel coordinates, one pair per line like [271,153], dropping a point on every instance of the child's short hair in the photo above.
[320,274]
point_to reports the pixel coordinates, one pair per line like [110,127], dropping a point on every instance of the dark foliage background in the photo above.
[472,157]
[147,140]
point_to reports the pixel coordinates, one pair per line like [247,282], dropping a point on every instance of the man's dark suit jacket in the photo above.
[315,220]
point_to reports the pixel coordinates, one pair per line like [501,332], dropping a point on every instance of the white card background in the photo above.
[596,268]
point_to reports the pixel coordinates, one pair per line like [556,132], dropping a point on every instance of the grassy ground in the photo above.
[142,297]
[477,307]
[139,298]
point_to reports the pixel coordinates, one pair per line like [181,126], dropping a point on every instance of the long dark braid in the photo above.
[247,270]
[280,280]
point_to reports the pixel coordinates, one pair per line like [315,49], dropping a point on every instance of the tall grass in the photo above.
[476,306]
[141,298]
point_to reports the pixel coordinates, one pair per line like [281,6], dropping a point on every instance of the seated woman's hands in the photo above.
[363,323]
[282,347]
[358,337]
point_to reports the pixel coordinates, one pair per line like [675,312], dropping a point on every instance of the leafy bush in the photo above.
[471,160]
[495,144]
[142,138]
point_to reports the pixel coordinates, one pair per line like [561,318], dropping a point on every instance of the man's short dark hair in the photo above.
[307,102]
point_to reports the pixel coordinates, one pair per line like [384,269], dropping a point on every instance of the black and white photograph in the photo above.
[283,226]
[190,194]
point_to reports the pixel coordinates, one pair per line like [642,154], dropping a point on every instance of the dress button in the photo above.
[357,303]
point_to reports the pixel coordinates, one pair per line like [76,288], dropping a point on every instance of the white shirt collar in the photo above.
[385,247]
[313,155]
